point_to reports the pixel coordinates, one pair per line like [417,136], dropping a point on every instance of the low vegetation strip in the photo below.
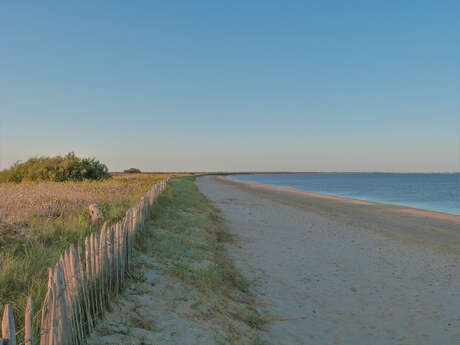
[81,283]
[39,220]
[199,296]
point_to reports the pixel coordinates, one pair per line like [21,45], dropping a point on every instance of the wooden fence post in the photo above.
[8,329]
[52,329]
[90,277]
[77,298]
[68,289]
[102,266]
[85,292]
[128,240]
[63,328]
[29,322]
[47,312]
[123,249]
[116,253]
[111,259]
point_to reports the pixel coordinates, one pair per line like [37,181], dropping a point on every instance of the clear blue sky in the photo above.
[233,85]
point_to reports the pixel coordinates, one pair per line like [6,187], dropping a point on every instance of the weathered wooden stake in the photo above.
[85,292]
[90,277]
[47,312]
[77,299]
[102,265]
[8,329]
[53,325]
[29,322]
[63,329]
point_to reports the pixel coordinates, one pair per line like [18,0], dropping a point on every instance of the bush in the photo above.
[59,169]
[132,171]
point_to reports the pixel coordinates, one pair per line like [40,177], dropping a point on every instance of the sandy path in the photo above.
[327,274]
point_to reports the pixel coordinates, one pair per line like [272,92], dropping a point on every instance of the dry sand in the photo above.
[153,310]
[335,271]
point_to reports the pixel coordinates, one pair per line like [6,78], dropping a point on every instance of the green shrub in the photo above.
[67,168]
[132,171]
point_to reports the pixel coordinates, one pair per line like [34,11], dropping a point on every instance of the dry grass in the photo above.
[38,220]
[20,201]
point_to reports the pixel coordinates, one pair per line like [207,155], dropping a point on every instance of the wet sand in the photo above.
[338,271]
[426,228]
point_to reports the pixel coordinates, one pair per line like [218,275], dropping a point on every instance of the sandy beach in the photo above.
[339,271]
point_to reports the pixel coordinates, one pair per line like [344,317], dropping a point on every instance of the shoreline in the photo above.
[333,271]
[422,229]
[395,208]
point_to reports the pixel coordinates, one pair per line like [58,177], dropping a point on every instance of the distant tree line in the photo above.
[132,171]
[59,169]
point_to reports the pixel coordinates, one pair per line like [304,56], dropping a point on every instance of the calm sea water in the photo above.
[434,192]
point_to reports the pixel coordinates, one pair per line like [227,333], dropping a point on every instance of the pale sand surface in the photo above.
[331,271]
[152,310]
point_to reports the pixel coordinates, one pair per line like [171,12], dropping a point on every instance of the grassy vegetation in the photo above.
[187,235]
[58,169]
[41,219]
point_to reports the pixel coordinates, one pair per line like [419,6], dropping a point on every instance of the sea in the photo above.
[433,192]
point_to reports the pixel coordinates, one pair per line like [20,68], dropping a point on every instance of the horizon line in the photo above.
[223,172]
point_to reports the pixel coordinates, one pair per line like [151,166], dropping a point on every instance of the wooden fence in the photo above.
[80,284]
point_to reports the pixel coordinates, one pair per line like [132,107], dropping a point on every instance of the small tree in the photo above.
[132,171]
